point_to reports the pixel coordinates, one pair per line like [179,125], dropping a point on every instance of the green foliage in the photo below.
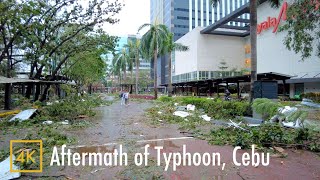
[52,35]
[266,107]
[21,101]
[165,99]
[302,26]
[153,43]
[267,135]
[166,108]
[218,108]
[302,115]
[70,108]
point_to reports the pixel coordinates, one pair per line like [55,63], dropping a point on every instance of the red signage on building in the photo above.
[273,21]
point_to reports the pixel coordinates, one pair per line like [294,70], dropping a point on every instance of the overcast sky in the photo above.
[132,16]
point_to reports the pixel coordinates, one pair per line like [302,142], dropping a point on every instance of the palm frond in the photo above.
[275,3]
[143,26]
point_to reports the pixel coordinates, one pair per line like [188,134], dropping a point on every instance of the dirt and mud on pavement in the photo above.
[173,153]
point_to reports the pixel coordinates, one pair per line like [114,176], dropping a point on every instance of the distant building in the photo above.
[144,65]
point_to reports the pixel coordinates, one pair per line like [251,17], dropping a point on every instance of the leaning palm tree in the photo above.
[171,46]
[135,52]
[253,37]
[152,44]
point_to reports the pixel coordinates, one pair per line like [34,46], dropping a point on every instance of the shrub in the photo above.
[218,108]
[315,96]
[165,99]
[71,107]
[267,135]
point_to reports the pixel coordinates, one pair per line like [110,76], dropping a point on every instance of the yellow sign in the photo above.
[26,156]
[247,49]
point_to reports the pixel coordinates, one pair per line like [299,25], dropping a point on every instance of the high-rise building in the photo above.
[181,16]
[144,65]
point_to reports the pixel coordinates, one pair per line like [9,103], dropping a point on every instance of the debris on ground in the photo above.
[176,104]
[159,112]
[310,103]
[250,120]
[181,108]
[191,107]
[4,114]
[182,114]
[5,169]
[236,125]
[83,116]
[47,122]
[279,149]
[65,122]
[206,117]
[297,124]
[92,172]
[24,115]
[287,110]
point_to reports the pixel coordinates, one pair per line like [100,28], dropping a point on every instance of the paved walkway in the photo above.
[126,125]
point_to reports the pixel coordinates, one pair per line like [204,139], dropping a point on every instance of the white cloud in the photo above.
[132,16]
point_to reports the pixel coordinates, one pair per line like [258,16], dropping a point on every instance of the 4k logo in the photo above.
[28,156]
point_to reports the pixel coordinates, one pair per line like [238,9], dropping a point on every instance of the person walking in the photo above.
[227,95]
[122,100]
[126,98]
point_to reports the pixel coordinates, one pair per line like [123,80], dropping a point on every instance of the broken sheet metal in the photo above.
[191,107]
[236,125]
[297,124]
[181,114]
[310,103]
[206,117]
[24,115]
[5,173]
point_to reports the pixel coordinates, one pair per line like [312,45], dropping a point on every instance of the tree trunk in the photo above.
[125,74]
[90,88]
[253,37]
[155,73]
[29,90]
[37,94]
[7,100]
[7,96]
[45,92]
[137,73]
[170,76]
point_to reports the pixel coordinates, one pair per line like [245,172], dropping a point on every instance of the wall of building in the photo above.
[187,61]
[311,87]
[207,51]
[272,53]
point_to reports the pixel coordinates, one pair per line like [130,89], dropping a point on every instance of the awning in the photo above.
[302,80]
[234,79]
[5,80]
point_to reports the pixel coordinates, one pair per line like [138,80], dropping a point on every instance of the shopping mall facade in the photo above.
[228,41]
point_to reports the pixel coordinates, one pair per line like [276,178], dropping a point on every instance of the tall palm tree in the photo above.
[253,37]
[122,62]
[135,52]
[152,44]
[171,46]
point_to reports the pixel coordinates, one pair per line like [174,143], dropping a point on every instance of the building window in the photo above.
[183,18]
